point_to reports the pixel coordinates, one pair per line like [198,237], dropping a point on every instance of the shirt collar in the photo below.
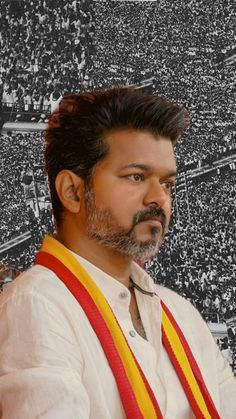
[111,288]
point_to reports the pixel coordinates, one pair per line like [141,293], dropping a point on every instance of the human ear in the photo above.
[69,188]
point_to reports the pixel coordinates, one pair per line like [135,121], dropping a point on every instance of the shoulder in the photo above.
[175,300]
[37,283]
[40,304]
[188,319]
[182,309]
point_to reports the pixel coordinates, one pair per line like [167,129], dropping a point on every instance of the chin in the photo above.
[146,254]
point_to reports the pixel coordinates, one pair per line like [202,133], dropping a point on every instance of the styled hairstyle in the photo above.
[76,132]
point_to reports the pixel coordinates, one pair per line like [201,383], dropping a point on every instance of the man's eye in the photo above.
[168,185]
[136,177]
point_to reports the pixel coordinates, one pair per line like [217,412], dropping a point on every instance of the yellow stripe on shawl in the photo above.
[184,363]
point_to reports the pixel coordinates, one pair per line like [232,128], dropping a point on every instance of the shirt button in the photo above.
[132,333]
[123,295]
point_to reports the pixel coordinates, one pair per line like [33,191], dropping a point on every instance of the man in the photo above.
[85,333]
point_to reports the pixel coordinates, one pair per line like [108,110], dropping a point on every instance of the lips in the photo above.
[153,222]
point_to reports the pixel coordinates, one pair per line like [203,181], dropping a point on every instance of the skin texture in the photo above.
[133,183]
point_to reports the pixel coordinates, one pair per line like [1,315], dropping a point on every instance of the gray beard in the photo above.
[126,244]
[104,229]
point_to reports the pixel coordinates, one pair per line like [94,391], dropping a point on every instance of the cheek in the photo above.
[124,213]
[121,208]
[118,197]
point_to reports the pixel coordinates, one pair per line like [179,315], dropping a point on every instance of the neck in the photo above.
[107,259]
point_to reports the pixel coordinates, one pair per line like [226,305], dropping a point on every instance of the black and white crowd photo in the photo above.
[183,50]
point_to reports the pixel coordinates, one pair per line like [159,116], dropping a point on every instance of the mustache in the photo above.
[150,213]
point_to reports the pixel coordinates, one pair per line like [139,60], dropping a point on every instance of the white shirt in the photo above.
[52,365]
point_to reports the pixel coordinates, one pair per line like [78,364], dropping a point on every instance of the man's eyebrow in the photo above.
[137,166]
[146,168]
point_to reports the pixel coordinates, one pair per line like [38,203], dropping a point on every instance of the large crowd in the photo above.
[46,51]
[20,154]
[50,48]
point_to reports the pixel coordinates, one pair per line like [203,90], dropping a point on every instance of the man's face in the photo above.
[128,204]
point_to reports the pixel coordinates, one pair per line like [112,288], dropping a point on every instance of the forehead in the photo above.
[131,146]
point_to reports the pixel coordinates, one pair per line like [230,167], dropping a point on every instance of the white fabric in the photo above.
[52,365]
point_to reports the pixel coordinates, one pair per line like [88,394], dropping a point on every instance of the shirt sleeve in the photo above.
[226,381]
[40,365]
[227,388]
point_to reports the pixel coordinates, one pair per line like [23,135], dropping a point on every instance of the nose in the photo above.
[156,195]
